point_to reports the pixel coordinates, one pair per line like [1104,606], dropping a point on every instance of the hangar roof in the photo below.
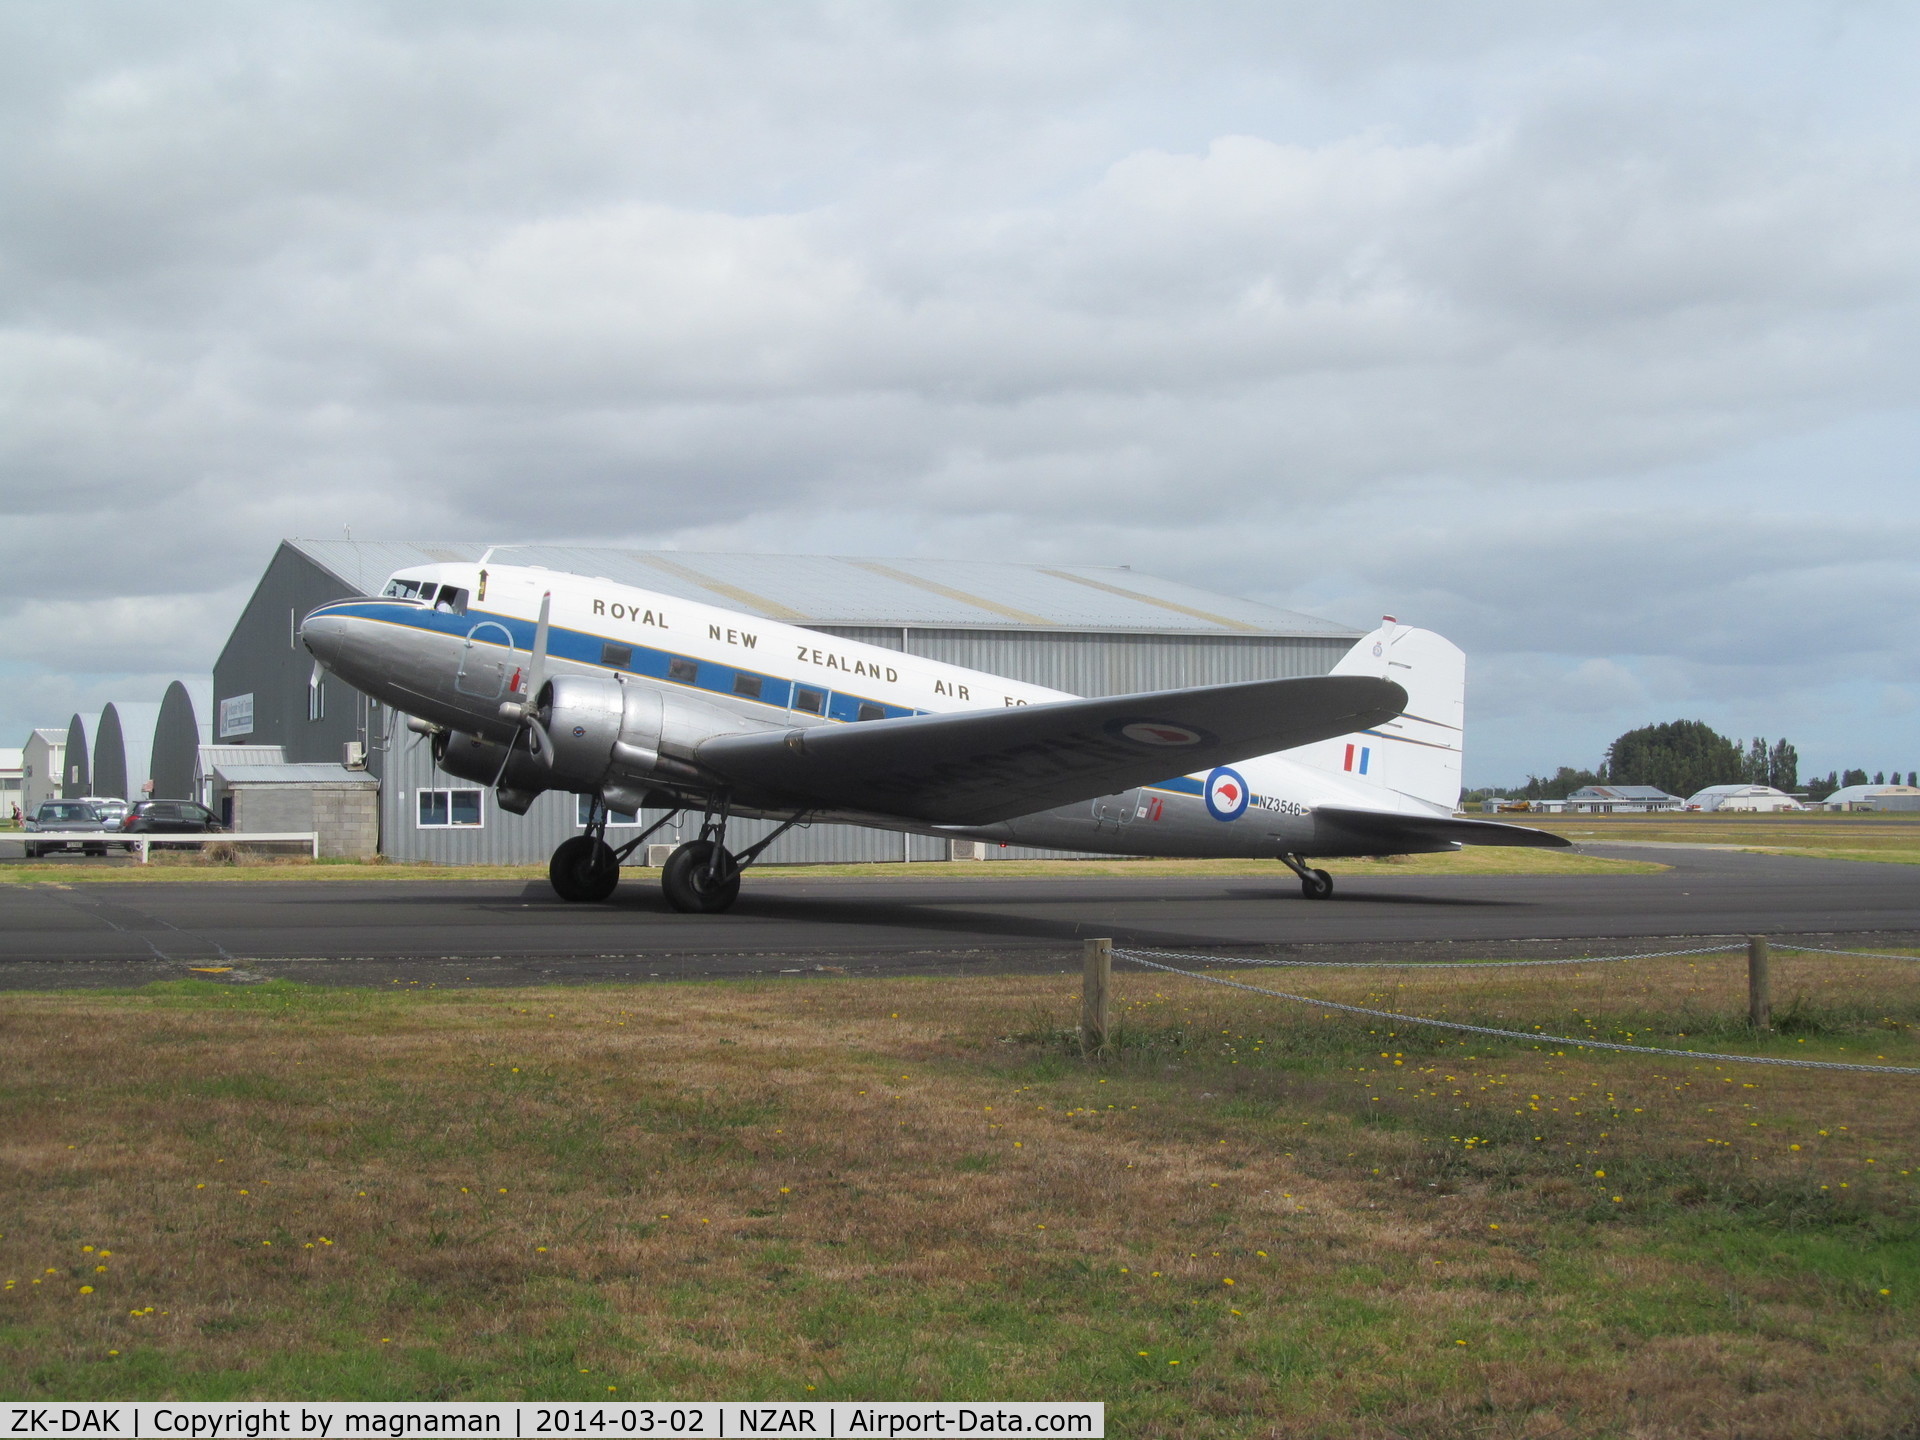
[844,590]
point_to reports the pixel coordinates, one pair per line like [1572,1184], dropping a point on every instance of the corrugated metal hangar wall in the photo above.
[1083,629]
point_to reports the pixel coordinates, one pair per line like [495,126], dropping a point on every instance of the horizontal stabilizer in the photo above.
[979,766]
[1380,827]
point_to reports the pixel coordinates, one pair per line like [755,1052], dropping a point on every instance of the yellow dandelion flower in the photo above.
[86,1289]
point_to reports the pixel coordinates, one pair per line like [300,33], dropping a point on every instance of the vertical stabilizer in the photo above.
[1419,753]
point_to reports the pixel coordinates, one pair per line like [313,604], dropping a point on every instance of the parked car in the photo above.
[81,825]
[170,817]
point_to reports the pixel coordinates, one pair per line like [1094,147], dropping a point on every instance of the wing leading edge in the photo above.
[979,766]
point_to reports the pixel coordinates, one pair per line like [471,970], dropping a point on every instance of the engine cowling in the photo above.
[617,740]
[474,757]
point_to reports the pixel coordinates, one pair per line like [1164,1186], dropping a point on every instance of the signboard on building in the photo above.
[236,716]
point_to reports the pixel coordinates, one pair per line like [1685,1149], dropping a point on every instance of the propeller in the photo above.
[539,743]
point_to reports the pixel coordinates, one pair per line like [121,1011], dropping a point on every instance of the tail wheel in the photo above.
[688,885]
[1316,884]
[583,869]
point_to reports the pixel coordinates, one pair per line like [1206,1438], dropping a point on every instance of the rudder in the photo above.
[1418,754]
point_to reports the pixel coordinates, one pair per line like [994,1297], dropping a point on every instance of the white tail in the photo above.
[1419,753]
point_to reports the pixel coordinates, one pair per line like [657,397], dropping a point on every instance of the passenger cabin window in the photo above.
[686,671]
[872,712]
[620,657]
[814,702]
[747,685]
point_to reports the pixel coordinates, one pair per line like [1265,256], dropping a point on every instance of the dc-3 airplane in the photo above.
[530,679]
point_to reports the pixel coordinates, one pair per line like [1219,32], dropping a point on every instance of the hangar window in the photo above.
[870,711]
[686,671]
[449,809]
[583,812]
[317,700]
[619,657]
[747,685]
[814,702]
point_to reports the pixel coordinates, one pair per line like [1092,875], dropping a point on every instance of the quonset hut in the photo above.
[1089,630]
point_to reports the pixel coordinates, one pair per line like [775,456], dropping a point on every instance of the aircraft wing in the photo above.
[1374,827]
[979,766]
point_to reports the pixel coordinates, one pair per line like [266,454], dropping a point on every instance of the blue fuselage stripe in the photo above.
[585,648]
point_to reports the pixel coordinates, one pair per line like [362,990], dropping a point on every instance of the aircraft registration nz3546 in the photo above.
[530,679]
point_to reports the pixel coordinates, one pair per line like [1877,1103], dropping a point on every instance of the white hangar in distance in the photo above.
[1090,630]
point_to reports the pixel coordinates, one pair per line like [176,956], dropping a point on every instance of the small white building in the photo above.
[43,759]
[1606,799]
[1874,797]
[12,771]
[1745,798]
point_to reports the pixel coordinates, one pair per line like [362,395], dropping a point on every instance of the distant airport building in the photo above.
[77,756]
[41,761]
[1084,629]
[1742,797]
[12,778]
[1874,797]
[1609,799]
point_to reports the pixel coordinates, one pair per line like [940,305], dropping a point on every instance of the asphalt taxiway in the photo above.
[105,932]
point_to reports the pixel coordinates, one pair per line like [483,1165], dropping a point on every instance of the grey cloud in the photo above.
[1324,304]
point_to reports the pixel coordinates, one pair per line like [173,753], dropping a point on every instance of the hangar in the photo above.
[1090,630]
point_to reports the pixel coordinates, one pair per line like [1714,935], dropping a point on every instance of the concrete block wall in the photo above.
[346,816]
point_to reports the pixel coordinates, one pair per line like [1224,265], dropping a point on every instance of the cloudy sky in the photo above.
[1585,334]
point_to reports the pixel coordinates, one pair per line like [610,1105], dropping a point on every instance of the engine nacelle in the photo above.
[474,757]
[612,739]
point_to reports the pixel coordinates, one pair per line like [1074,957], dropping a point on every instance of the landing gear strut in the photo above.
[701,878]
[1314,884]
[587,868]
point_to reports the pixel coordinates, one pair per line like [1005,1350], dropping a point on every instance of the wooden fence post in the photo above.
[1759,990]
[1095,993]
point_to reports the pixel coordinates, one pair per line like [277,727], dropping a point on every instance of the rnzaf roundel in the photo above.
[1226,794]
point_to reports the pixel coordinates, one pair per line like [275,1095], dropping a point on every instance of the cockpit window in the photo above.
[402,589]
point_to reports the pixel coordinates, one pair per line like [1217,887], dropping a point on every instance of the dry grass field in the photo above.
[1251,1218]
[1859,835]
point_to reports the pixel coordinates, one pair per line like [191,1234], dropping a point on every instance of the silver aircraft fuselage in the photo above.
[455,661]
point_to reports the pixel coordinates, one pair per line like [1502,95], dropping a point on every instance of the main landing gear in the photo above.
[1314,884]
[699,878]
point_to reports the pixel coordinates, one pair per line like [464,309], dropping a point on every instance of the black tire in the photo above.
[93,850]
[684,879]
[33,852]
[1316,885]
[583,869]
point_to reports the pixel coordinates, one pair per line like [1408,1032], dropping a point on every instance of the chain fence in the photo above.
[1143,958]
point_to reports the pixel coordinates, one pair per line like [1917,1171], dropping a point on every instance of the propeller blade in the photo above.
[537,666]
[541,745]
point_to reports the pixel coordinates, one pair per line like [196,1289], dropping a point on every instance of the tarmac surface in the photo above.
[493,932]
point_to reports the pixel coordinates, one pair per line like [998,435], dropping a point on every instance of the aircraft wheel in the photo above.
[684,878]
[1316,885]
[583,869]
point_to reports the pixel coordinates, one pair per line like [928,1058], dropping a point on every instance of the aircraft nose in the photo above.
[324,636]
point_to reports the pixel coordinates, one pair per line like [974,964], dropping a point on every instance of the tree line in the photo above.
[1685,756]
